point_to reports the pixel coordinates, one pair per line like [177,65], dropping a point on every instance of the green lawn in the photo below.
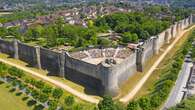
[9,101]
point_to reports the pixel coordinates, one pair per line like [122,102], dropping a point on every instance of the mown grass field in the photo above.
[9,100]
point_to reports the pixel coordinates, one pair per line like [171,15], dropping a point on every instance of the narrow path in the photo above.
[57,83]
[139,85]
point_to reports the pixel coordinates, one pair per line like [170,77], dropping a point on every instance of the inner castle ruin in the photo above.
[104,69]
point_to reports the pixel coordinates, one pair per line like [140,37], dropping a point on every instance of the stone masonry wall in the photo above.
[27,53]
[7,47]
[106,78]
[50,61]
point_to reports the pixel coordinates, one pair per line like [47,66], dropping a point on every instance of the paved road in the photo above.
[139,85]
[57,83]
[177,92]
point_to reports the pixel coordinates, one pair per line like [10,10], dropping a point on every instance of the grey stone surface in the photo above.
[27,53]
[50,61]
[7,47]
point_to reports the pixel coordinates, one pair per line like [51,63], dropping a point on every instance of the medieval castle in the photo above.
[103,69]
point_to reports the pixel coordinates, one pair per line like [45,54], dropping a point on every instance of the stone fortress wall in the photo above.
[105,76]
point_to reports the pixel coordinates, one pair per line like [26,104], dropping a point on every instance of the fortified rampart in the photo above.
[102,69]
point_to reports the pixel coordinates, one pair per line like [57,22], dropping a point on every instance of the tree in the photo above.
[16,72]
[69,100]
[133,105]
[90,23]
[3,70]
[47,89]
[128,37]
[155,101]
[57,93]
[104,42]
[144,103]
[106,104]
[32,34]
[14,31]
[52,104]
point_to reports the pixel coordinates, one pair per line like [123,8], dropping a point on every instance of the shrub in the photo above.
[106,104]
[39,84]
[133,105]
[155,101]
[52,104]
[119,106]
[43,97]
[57,93]
[69,101]
[144,103]
[3,70]
[15,72]
[78,107]
[38,107]
[47,89]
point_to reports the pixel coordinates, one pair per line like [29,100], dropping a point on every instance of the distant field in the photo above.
[9,101]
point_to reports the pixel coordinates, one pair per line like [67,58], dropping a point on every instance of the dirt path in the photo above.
[91,99]
[57,83]
[139,85]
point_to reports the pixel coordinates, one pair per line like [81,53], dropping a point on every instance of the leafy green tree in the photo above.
[144,103]
[128,37]
[3,70]
[133,105]
[106,104]
[47,89]
[155,101]
[14,31]
[69,100]
[57,93]
[52,104]
[16,72]
[104,42]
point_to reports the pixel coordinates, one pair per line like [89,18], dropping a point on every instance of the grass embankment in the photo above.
[188,104]
[10,101]
[132,81]
[163,67]
[76,86]
[159,86]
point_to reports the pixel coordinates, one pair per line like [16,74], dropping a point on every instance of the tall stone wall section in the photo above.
[105,77]
[82,72]
[7,47]
[112,76]
[152,46]
[27,53]
[50,61]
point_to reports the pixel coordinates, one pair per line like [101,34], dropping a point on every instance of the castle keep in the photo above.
[104,69]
